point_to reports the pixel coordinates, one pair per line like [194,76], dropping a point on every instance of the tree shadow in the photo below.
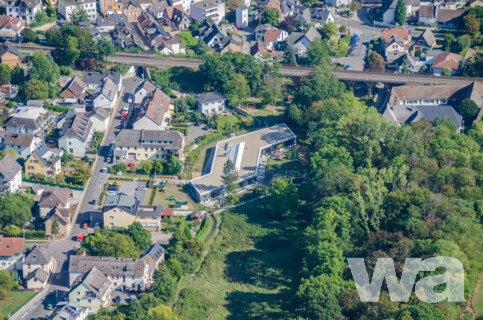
[253,305]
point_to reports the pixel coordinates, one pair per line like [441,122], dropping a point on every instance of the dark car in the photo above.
[113,188]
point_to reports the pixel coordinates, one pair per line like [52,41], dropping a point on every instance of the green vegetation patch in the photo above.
[14,302]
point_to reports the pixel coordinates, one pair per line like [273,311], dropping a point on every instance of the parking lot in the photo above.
[197,131]
[129,188]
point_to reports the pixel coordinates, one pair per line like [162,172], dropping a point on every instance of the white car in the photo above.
[104,170]
[108,160]
[111,193]
[141,189]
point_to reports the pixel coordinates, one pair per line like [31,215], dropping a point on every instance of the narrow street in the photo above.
[61,249]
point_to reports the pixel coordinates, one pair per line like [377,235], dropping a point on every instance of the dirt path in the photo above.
[470,304]
[44,27]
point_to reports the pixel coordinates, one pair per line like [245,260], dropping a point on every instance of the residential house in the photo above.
[322,15]
[259,52]
[126,274]
[401,33]
[300,41]
[176,18]
[388,9]
[76,134]
[406,61]
[63,218]
[68,7]
[10,175]
[100,118]
[144,89]
[75,89]
[119,210]
[150,28]
[91,289]
[29,120]
[107,96]
[241,17]
[210,103]
[36,280]
[427,14]
[151,145]
[10,28]
[49,200]
[233,43]
[154,257]
[95,82]
[37,267]
[131,9]
[44,161]
[394,47]
[157,9]
[287,7]
[149,217]
[122,36]
[425,42]
[449,19]
[302,14]
[197,216]
[447,60]
[168,45]
[11,253]
[184,4]
[154,112]
[213,35]
[23,9]
[412,11]
[275,4]
[411,103]
[69,311]
[272,36]
[111,7]
[22,143]
[9,54]
[208,9]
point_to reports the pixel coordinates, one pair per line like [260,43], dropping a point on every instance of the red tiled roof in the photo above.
[399,32]
[167,213]
[447,60]
[11,246]
[272,34]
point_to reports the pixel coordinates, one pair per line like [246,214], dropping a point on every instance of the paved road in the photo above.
[61,249]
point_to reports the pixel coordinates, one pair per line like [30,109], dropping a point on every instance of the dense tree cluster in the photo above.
[379,190]
[118,242]
[15,209]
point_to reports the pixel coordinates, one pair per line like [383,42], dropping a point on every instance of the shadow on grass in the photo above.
[252,305]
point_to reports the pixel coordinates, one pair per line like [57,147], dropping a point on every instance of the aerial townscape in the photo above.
[227,159]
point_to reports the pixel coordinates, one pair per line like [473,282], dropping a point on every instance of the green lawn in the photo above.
[178,193]
[478,300]
[270,114]
[282,166]
[14,302]
[247,274]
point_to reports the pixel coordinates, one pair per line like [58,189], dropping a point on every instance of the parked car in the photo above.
[111,193]
[141,189]
[108,160]
[105,170]
[117,299]
[113,188]
[348,67]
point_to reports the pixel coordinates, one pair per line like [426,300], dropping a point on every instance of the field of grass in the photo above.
[247,273]
[282,166]
[270,114]
[478,299]
[178,193]
[205,229]
[14,302]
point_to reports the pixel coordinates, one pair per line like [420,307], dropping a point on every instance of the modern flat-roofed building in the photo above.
[208,9]
[245,152]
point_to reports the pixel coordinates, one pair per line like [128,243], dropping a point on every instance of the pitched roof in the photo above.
[272,34]
[17,122]
[447,60]
[70,311]
[400,32]
[38,273]
[109,89]
[31,3]
[431,113]
[10,22]
[154,107]
[146,85]
[426,11]
[74,89]
[207,97]
[155,251]
[47,155]
[107,265]
[149,138]
[77,124]
[428,37]
[9,167]
[274,4]
[449,16]
[257,47]
[96,281]
[38,255]
[101,112]
[11,246]
[121,200]
[97,78]
[312,34]
[17,139]
[55,197]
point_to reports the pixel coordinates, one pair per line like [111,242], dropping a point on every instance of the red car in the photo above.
[80,236]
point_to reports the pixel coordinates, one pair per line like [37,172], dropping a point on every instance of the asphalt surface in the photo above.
[61,249]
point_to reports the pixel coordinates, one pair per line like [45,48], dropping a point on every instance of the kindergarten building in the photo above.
[245,152]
